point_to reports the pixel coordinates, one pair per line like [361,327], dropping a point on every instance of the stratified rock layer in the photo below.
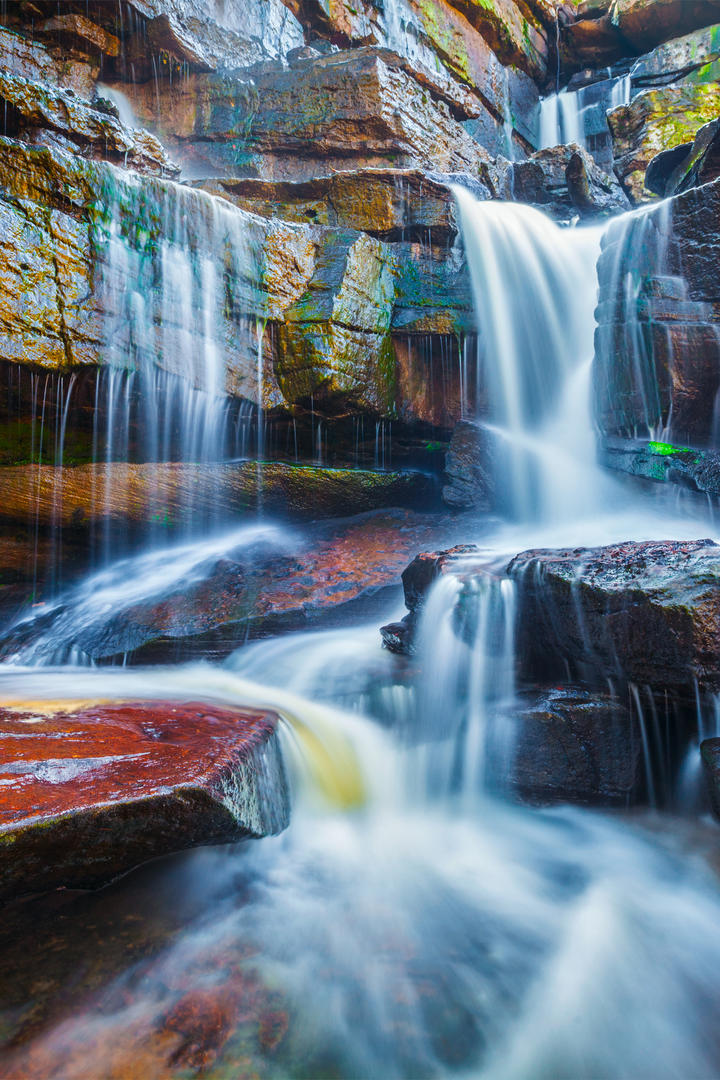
[91,789]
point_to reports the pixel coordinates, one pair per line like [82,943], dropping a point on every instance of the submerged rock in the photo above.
[646,613]
[206,599]
[91,789]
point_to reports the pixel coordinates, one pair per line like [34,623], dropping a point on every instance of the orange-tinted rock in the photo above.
[88,790]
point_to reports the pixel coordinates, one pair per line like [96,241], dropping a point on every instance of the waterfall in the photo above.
[534,288]
[579,116]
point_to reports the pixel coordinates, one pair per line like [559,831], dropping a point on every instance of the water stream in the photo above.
[412,922]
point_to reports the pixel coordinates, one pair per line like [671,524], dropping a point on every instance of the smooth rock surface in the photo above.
[90,789]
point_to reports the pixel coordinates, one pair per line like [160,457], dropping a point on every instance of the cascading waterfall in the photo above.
[442,932]
[535,287]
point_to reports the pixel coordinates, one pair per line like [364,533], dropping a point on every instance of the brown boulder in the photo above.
[90,789]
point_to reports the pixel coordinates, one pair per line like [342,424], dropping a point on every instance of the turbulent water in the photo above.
[434,929]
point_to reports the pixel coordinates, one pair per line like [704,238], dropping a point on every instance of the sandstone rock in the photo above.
[30,105]
[348,317]
[573,746]
[335,570]
[392,204]
[694,58]
[75,29]
[92,789]
[130,495]
[338,112]
[648,613]
[657,120]
[591,43]
[645,23]
[238,34]
[566,182]
[468,468]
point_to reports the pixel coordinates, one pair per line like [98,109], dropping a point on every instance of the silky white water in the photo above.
[436,930]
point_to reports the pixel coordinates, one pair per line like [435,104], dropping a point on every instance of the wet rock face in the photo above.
[657,120]
[33,110]
[335,302]
[350,109]
[688,165]
[657,342]
[130,496]
[469,468]
[576,746]
[710,756]
[566,182]
[645,23]
[91,789]
[647,613]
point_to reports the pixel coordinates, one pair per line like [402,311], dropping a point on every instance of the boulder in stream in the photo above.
[576,746]
[646,613]
[91,789]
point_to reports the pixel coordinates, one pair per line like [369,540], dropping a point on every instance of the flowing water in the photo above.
[412,922]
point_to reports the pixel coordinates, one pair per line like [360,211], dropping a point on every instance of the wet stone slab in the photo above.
[90,789]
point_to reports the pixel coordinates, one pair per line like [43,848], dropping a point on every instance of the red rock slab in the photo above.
[90,789]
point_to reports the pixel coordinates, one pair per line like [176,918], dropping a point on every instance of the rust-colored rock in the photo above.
[90,789]
[174,494]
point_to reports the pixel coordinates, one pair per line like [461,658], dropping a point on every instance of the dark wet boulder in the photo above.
[566,181]
[91,789]
[468,468]
[646,613]
[418,579]
[710,756]
[694,469]
[576,746]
